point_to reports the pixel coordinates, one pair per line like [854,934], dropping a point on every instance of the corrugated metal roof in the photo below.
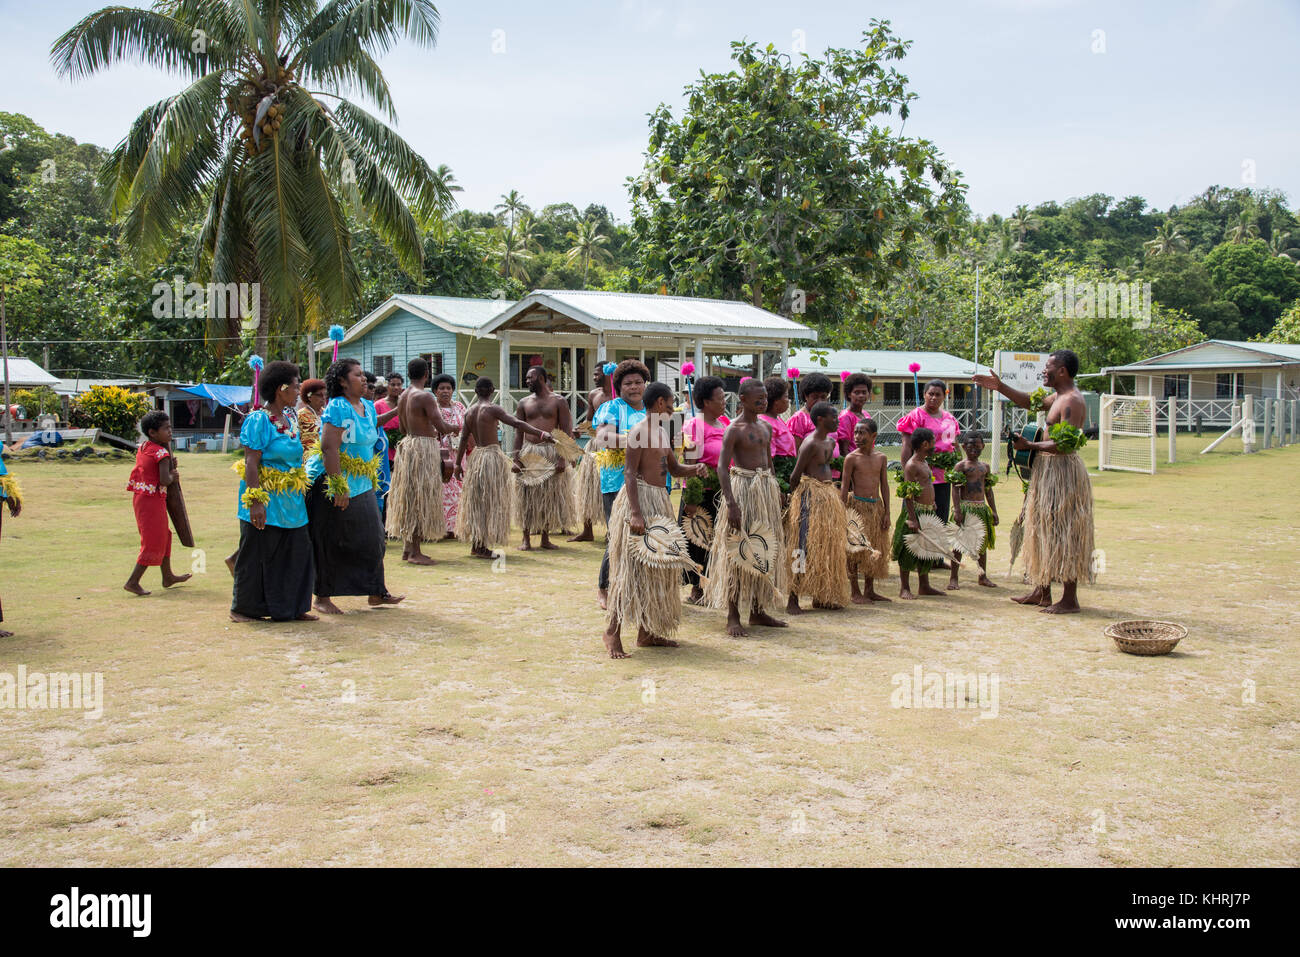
[1284,350]
[640,312]
[23,373]
[453,313]
[884,363]
[1216,352]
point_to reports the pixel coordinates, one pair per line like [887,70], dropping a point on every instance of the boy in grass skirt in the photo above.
[972,484]
[864,488]
[816,525]
[916,489]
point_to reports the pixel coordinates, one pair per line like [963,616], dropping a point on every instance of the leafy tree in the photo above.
[1167,240]
[588,244]
[785,176]
[23,264]
[1287,328]
[252,146]
[1257,282]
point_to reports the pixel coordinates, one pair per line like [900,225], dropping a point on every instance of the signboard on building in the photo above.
[1021,370]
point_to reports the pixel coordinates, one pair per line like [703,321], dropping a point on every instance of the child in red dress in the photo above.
[155,469]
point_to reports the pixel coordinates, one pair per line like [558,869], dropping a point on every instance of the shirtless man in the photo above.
[595,399]
[485,503]
[1058,526]
[417,413]
[539,508]
[747,445]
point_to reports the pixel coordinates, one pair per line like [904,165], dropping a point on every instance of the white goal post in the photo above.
[1128,433]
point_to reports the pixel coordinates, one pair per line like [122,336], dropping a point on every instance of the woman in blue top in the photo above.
[612,422]
[274,568]
[12,497]
[342,512]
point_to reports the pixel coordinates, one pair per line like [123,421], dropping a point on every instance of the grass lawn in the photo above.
[481,723]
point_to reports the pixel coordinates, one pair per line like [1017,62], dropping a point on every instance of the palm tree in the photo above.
[448,179]
[1168,239]
[1244,231]
[588,244]
[1280,245]
[514,256]
[529,232]
[512,205]
[1022,223]
[253,145]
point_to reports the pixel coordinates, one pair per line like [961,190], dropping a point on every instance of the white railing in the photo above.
[1211,411]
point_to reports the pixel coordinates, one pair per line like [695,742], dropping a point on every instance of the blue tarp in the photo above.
[227,395]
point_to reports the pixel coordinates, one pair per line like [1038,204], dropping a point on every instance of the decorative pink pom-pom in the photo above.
[792,373]
[688,368]
[745,378]
[914,368]
[844,375]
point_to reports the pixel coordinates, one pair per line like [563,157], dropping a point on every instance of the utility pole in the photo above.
[4,351]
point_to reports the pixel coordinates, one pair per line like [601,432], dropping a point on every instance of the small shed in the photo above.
[25,374]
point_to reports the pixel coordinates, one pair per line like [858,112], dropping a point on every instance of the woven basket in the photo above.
[1140,637]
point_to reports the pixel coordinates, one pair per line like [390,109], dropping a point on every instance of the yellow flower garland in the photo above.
[252,495]
[353,466]
[611,458]
[9,485]
[277,480]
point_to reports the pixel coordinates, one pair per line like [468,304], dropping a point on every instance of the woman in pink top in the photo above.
[703,436]
[858,388]
[933,416]
[784,449]
[813,388]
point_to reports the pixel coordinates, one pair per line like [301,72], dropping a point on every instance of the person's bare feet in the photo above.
[872,595]
[236,616]
[696,597]
[584,535]
[307,616]
[602,599]
[906,594]
[480,553]
[387,598]
[1061,608]
[734,628]
[614,645]
[952,584]
[6,634]
[326,607]
[1035,597]
[765,620]
[135,589]
[987,582]
[527,546]
[176,580]
[548,544]
[792,606]
[859,599]
[654,641]
[927,590]
[419,559]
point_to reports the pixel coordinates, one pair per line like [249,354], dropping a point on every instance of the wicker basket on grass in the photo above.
[1141,637]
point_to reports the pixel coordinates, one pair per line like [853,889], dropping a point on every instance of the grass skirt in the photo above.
[547,506]
[485,498]
[907,562]
[985,515]
[640,595]
[816,531]
[586,492]
[274,572]
[759,498]
[415,500]
[1058,521]
[862,562]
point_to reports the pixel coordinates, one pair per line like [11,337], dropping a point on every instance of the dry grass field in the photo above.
[481,723]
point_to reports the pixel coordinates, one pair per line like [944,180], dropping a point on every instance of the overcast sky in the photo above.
[1031,99]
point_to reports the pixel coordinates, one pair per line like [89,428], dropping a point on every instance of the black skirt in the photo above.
[349,544]
[274,572]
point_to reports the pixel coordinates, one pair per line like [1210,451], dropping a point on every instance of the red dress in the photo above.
[150,501]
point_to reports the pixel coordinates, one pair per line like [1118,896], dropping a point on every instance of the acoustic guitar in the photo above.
[1023,460]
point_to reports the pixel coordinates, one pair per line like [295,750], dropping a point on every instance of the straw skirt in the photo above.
[816,539]
[1058,521]
[415,500]
[641,595]
[907,562]
[861,563]
[759,498]
[548,505]
[485,498]
[587,503]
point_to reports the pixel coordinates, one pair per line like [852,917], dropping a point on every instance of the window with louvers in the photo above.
[383,366]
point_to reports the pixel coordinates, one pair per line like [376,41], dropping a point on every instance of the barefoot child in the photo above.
[485,497]
[155,469]
[640,595]
[864,488]
[753,501]
[916,488]
[972,484]
[12,496]
[816,525]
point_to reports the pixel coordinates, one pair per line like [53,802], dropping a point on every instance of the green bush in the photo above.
[115,411]
[37,401]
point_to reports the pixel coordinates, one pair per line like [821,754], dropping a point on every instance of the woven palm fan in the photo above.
[755,550]
[968,537]
[567,446]
[698,528]
[934,540]
[535,469]
[663,545]
[1017,537]
[858,540]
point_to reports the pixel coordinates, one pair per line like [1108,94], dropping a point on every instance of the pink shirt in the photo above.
[800,424]
[707,440]
[844,434]
[944,427]
[782,441]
